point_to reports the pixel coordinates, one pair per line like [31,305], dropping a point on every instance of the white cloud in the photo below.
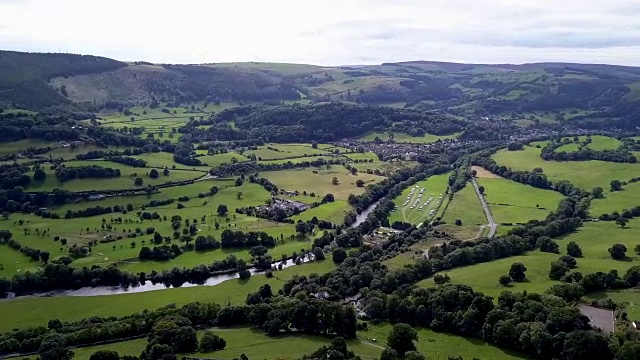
[328,32]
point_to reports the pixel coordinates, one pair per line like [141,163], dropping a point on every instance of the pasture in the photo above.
[512,202]
[11,147]
[385,167]
[466,207]
[257,345]
[36,311]
[334,212]
[598,142]
[254,343]
[82,230]
[366,156]
[273,151]
[13,261]
[436,345]
[162,159]
[406,138]
[319,181]
[414,205]
[594,238]
[124,181]
[584,174]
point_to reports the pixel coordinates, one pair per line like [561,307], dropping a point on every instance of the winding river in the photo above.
[149,286]
[212,281]
[363,215]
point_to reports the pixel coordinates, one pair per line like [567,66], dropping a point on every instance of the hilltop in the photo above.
[528,94]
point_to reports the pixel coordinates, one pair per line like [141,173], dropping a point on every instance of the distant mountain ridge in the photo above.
[538,90]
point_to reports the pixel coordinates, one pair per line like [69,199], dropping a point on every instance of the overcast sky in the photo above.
[328,32]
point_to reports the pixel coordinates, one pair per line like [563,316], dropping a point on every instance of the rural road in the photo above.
[492,224]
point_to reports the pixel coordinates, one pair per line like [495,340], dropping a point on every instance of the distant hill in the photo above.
[527,93]
[24,76]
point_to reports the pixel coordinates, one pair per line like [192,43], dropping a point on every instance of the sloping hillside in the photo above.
[23,76]
[590,94]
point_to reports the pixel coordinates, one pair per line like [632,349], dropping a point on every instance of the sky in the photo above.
[328,32]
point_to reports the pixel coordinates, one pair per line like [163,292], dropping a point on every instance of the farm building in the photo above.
[289,205]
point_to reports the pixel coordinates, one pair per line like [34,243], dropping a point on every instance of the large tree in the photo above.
[573,249]
[618,251]
[222,210]
[401,338]
[105,355]
[53,347]
[211,342]
[517,271]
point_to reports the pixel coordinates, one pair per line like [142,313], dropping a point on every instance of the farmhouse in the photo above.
[289,205]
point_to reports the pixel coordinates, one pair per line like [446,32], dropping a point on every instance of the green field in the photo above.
[124,181]
[333,212]
[162,159]
[584,174]
[75,230]
[285,151]
[598,142]
[319,181]
[13,261]
[35,311]
[435,188]
[512,202]
[435,345]
[386,167]
[406,138]
[257,345]
[11,147]
[254,343]
[594,238]
[466,207]
[367,156]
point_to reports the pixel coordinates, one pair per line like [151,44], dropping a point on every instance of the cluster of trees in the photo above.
[250,167]
[13,175]
[183,154]
[93,211]
[325,123]
[127,160]
[33,254]
[24,75]
[534,178]
[160,253]
[533,324]
[51,128]
[64,173]
[58,275]
[174,326]
[239,239]
[621,155]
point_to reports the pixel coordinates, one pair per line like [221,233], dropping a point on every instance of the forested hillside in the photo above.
[595,96]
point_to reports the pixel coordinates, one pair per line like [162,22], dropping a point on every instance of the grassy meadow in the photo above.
[512,202]
[584,174]
[319,181]
[35,311]
[436,345]
[598,142]
[594,238]
[466,207]
[406,138]
[124,181]
[255,344]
